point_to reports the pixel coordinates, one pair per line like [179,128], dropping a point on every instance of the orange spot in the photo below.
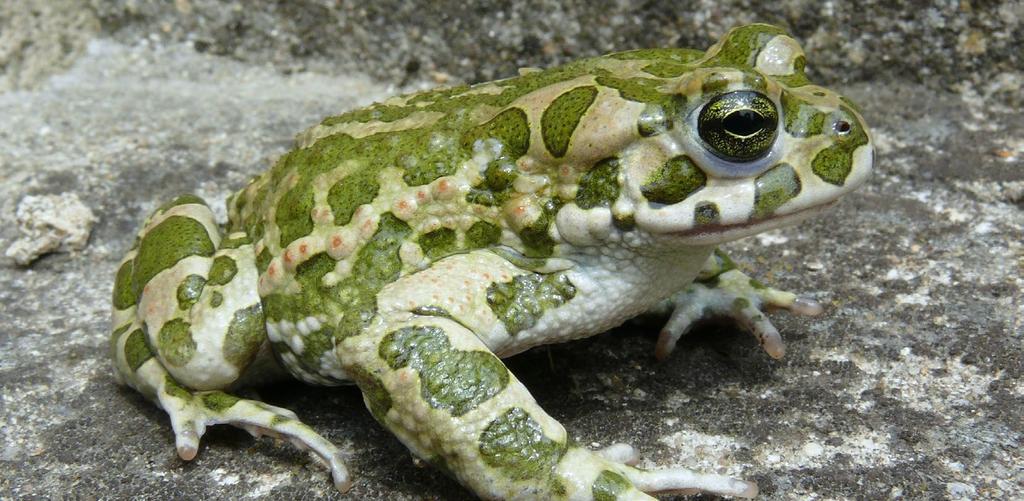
[336,242]
[303,248]
[288,256]
[272,269]
[520,210]
[421,195]
[444,185]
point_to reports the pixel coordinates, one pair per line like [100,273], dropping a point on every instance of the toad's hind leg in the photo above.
[187,324]
[433,383]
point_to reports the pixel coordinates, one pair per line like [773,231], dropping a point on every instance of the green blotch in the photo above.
[375,112]
[182,200]
[218,401]
[375,395]
[496,187]
[482,234]
[801,118]
[673,55]
[314,345]
[293,214]
[376,265]
[536,236]
[115,336]
[757,284]
[433,158]
[452,380]
[349,193]
[624,222]
[431,311]
[666,69]
[189,291]
[522,301]
[609,485]
[234,243]
[740,303]
[174,239]
[246,333]
[720,263]
[677,179]
[175,342]
[599,186]
[642,90]
[705,213]
[483,197]
[309,301]
[499,175]
[509,127]
[136,351]
[742,45]
[775,187]
[515,444]
[222,270]
[725,263]
[438,243]
[833,164]
[172,388]
[216,299]
[124,296]
[562,116]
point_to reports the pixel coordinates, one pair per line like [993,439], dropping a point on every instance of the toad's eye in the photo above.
[739,126]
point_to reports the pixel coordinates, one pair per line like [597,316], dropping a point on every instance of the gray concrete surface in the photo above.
[910,387]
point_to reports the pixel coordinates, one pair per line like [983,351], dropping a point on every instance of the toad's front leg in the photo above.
[429,378]
[723,291]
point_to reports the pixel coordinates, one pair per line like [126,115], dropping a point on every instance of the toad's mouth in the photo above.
[712,234]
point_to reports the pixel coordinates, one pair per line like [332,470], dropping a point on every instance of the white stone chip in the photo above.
[50,223]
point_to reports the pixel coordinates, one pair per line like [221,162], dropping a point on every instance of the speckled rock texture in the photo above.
[911,386]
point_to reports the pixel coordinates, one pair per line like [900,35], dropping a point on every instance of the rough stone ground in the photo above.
[911,386]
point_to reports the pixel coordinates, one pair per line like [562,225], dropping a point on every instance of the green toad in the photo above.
[408,246]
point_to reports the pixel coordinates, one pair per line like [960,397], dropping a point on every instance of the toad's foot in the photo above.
[683,481]
[732,294]
[674,480]
[191,412]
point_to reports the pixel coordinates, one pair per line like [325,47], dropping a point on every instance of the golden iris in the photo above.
[739,126]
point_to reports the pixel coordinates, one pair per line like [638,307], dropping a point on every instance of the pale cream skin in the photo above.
[409,246]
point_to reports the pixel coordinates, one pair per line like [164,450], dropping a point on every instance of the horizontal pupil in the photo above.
[743,122]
